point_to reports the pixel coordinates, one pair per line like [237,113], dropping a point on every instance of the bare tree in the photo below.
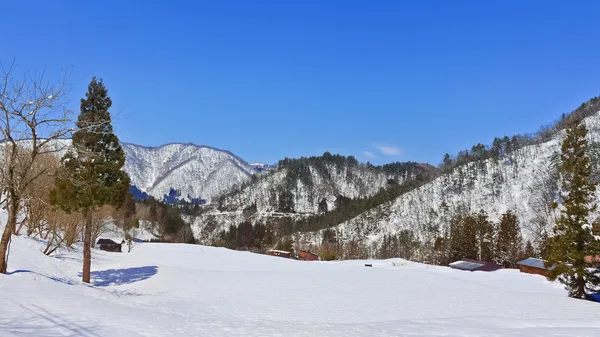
[544,189]
[33,115]
[102,218]
[58,226]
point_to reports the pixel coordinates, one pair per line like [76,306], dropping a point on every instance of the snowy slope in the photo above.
[320,185]
[517,183]
[188,290]
[197,171]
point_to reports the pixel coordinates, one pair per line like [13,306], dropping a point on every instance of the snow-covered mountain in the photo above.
[524,181]
[261,167]
[302,187]
[195,171]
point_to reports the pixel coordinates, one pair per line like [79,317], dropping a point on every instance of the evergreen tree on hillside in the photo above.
[463,238]
[529,251]
[573,238]
[485,237]
[509,241]
[91,175]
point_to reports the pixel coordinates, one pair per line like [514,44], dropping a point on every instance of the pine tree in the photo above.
[463,238]
[91,175]
[573,238]
[529,251]
[446,163]
[485,237]
[509,241]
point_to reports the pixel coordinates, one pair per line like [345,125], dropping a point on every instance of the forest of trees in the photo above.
[467,236]
[299,170]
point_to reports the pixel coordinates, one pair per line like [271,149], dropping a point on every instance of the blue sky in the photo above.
[380,80]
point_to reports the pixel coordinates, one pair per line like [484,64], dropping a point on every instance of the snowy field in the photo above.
[186,290]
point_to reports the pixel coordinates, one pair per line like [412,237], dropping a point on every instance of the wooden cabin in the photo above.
[307,256]
[108,245]
[533,266]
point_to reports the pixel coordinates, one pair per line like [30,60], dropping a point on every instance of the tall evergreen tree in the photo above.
[91,175]
[485,237]
[529,251]
[463,237]
[573,238]
[509,242]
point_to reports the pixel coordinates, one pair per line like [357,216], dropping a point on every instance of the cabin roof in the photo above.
[472,265]
[279,251]
[533,262]
[106,242]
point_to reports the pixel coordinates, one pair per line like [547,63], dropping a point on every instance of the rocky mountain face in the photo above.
[524,181]
[194,171]
[299,188]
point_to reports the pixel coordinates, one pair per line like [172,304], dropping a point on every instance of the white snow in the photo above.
[190,290]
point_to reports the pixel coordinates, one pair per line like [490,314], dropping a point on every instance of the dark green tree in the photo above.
[529,251]
[509,243]
[463,238]
[573,238]
[485,237]
[446,165]
[91,174]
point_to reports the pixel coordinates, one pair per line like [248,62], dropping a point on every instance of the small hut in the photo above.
[534,266]
[307,256]
[474,265]
[108,245]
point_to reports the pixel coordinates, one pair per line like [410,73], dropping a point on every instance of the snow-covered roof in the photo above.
[466,265]
[533,262]
[472,265]
[279,251]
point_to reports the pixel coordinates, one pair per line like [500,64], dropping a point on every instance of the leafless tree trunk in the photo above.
[32,116]
[544,189]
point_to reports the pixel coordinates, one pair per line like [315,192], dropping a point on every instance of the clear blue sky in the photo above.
[273,79]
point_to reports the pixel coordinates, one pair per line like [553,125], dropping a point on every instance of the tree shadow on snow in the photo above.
[41,322]
[53,278]
[116,277]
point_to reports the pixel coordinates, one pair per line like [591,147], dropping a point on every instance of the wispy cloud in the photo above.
[388,150]
[370,155]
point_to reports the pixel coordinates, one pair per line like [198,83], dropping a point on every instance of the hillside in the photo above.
[158,290]
[302,187]
[193,170]
[524,181]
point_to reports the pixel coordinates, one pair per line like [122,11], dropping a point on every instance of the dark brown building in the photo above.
[533,266]
[307,256]
[108,245]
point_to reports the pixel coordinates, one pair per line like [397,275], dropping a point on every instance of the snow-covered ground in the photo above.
[189,290]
